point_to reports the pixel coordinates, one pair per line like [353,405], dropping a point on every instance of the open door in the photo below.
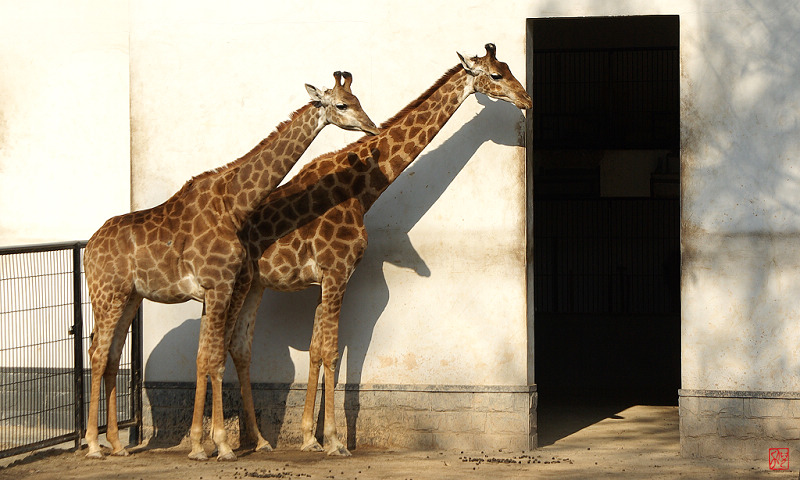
[604,156]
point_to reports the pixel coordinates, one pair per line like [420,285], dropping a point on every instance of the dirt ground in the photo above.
[635,442]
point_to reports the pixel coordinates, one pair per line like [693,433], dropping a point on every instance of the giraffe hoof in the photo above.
[227,457]
[120,453]
[199,456]
[95,455]
[263,446]
[312,446]
[340,451]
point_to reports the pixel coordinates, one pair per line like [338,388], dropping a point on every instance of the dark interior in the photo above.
[605,157]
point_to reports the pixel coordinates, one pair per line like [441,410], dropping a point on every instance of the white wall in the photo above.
[741,191]
[64,122]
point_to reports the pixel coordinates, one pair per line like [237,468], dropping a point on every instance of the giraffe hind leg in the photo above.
[105,363]
[240,349]
[99,358]
[110,376]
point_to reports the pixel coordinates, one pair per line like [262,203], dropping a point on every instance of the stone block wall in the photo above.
[730,424]
[385,416]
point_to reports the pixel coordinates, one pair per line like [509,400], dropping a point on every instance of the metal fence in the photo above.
[45,323]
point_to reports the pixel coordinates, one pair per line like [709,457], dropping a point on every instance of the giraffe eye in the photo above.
[496,76]
[341,106]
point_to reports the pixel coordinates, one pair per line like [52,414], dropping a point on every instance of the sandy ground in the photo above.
[635,442]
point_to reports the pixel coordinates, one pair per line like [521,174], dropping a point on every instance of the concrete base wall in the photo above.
[730,424]
[386,416]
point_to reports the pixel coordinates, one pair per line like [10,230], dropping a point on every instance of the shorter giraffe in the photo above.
[189,248]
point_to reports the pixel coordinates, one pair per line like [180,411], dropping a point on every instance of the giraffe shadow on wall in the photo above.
[284,324]
[169,403]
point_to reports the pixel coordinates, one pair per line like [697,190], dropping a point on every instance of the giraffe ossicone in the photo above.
[311,229]
[189,248]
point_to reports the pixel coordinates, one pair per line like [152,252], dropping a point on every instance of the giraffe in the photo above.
[189,248]
[311,230]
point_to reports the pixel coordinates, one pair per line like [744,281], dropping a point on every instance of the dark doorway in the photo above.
[604,155]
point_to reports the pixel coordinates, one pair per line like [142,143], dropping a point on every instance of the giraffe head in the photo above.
[341,107]
[493,78]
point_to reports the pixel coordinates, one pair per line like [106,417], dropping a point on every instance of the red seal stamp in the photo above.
[779,459]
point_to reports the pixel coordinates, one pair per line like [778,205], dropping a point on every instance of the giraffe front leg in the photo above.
[201,386]
[224,307]
[310,443]
[331,300]
[219,435]
[331,442]
[196,430]
[211,353]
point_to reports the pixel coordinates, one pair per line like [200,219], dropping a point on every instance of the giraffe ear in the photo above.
[314,93]
[468,64]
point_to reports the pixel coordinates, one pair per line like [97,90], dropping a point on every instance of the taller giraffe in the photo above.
[311,230]
[189,248]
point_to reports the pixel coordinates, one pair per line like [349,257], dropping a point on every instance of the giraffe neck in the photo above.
[257,173]
[405,136]
[362,170]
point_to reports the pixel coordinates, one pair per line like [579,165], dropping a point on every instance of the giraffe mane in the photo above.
[416,103]
[235,163]
[391,121]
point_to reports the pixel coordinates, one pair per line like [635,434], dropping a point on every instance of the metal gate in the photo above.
[45,322]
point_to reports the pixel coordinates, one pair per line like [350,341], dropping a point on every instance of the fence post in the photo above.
[77,332]
[136,377]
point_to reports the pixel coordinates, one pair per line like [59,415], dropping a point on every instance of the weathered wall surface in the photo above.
[64,123]
[740,182]
[740,223]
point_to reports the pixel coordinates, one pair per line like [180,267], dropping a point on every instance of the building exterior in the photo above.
[111,107]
